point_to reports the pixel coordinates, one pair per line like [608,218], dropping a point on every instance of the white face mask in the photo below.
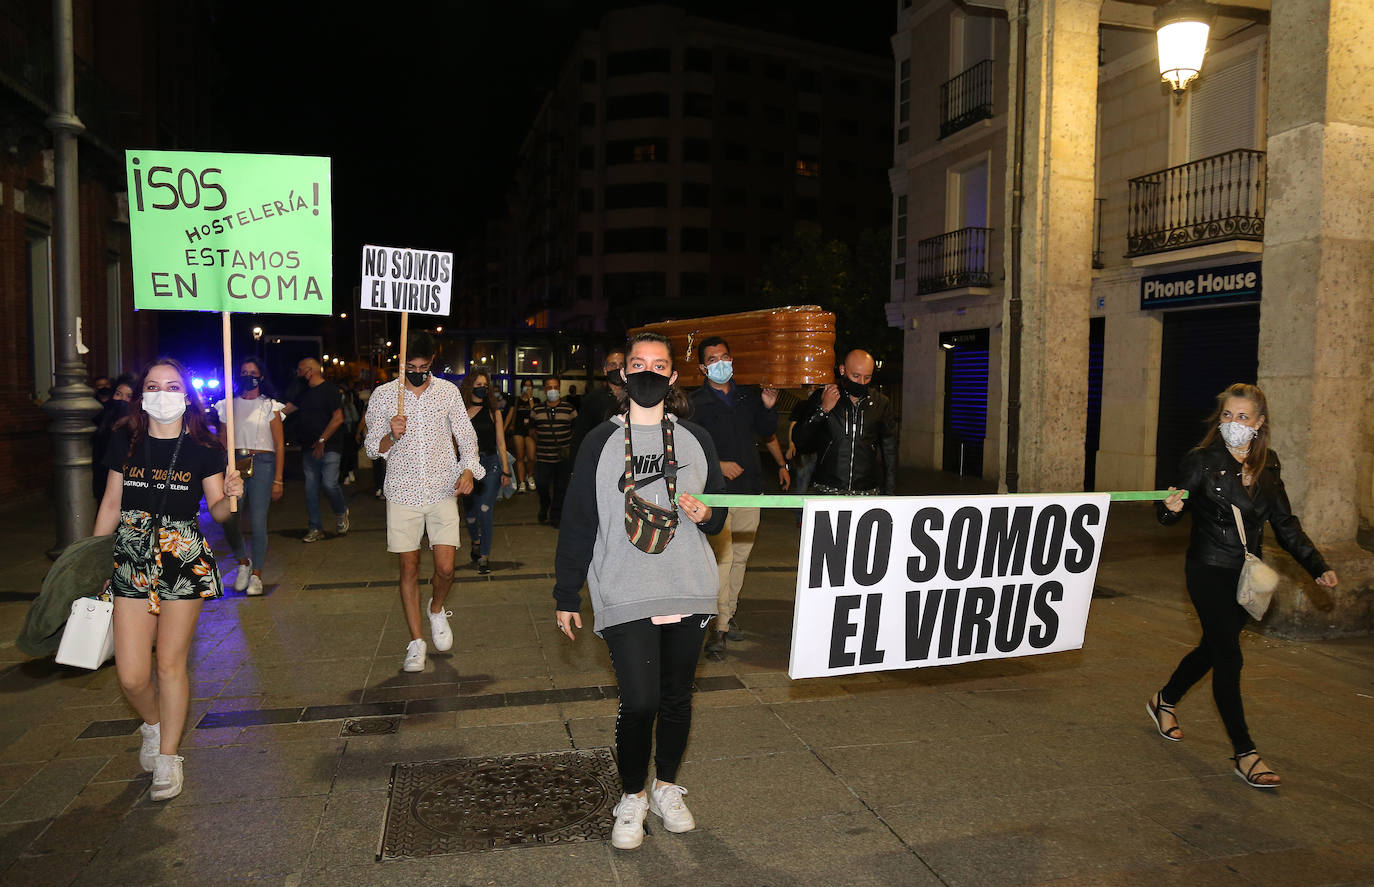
[1237,434]
[164,406]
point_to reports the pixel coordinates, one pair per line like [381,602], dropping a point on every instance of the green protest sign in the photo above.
[230,232]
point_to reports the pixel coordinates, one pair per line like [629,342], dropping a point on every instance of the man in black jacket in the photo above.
[600,404]
[851,430]
[736,417]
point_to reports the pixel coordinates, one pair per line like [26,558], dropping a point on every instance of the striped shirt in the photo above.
[552,426]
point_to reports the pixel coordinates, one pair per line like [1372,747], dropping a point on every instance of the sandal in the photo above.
[1174,733]
[1251,776]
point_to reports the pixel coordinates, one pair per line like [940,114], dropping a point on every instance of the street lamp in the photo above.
[257,333]
[1181,27]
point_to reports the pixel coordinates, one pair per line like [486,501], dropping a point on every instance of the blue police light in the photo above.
[213,383]
[197,384]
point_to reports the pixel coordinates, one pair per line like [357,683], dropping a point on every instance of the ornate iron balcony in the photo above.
[1203,201]
[966,99]
[953,260]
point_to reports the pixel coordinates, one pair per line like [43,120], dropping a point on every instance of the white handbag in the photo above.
[88,639]
[1257,579]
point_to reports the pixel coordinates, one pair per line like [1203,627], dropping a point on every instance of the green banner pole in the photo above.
[739,500]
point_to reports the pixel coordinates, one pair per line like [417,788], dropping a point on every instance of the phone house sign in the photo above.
[1231,283]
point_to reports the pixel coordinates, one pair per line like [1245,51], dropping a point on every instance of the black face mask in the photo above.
[416,379]
[616,376]
[479,395]
[249,383]
[850,387]
[646,388]
[103,394]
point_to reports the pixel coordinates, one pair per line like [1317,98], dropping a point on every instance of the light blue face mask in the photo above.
[721,371]
[552,395]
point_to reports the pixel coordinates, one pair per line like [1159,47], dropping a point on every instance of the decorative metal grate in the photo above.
[1097,231]
[1203,201]
[953,260]
[966,98]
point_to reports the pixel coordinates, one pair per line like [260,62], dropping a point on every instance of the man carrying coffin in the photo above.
[850,429]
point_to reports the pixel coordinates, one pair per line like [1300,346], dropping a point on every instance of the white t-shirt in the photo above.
[253,422]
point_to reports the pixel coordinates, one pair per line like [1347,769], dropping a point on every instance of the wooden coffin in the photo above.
[776,347]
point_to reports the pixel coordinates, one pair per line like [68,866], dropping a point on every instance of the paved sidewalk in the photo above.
[1036,770]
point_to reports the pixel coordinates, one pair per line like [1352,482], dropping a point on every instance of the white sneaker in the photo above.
[415,656]
[241,577]
[152,745]
[665,802]
[438,628]
[628,831]
[254,585]
[341,526]
[167,778]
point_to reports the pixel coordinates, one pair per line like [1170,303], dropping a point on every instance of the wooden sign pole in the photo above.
[229,404]
[401,387]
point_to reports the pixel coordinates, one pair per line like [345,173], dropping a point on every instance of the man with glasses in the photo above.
[423,478]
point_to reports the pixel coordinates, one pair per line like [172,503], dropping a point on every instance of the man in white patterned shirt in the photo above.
[423,477]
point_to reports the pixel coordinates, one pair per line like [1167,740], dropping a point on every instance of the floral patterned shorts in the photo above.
[182,568]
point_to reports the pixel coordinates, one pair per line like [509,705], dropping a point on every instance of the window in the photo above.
[584,243]
[808,167]
[1222,111]
[589,70]
[899,229]
[696,59]
[734,241]
[733,288]
[775,70]
[636,195]
[634,287]
[696,194]
[696,104]
[694,285]
[807,208]
[736,108]
[635,240]
[736,197]
[770,200]
[774,114]
[586,115]
[696,150]
[530,360]
[808,80]
[695,240]
[586,157]
[637,151]
[848,126]
[639,105]
[768,243]
[808,124]
[771,159]
[903,101]
[584,286]
[640,61]
[899,271]
[735,152]
[736,64]
[586,200]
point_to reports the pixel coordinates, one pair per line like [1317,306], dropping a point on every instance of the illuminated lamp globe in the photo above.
[1181,28]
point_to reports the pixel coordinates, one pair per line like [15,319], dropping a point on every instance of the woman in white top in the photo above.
[257,440]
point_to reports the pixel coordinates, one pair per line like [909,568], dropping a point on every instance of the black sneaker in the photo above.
[483,566]
[715,646]
[735,633]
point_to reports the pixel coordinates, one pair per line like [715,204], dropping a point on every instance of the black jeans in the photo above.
[1213,590]
[551,480]
[654,666]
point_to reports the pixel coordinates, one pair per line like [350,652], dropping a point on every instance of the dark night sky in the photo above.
[423,105]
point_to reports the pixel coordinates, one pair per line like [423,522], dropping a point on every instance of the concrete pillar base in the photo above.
[1303,609]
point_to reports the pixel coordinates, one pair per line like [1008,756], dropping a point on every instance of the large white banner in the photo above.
[907,582]
[399,279]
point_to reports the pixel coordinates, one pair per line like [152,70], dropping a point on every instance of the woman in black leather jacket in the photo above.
[1232,465]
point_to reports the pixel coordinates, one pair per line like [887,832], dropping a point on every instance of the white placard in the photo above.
[401,279]
[909,582]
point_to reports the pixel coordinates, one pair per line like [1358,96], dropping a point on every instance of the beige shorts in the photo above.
[406,525]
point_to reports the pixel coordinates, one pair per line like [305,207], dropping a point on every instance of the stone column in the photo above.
[1056,243]
[1317,319]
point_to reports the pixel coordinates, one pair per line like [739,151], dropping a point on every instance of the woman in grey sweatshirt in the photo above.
[650,572]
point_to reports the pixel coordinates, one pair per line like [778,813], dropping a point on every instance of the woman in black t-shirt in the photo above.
[161,459]
[488,422]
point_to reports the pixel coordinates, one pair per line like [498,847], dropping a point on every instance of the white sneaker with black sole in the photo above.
[665,802]
[167,777]
[439,629]
[152,745]
[415,656]
[254,586]
[628,831]
[241,577]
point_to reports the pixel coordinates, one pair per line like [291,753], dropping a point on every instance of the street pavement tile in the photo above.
[557,865]
[14,775]
[241,772]
[793,785]
[1308,866]
[384,693]
[509,714]
[717,699]
[46,870]
[88,821]
[15,837]
[41,742]
[852,849]
[1211,873]
[866,721]
[208,844]
[212,738]
[737,732]
[335,680]
[350,832]
[593,732]
[366,762]
[51,789]
[267,734]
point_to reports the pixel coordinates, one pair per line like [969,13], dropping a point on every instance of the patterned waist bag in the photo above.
[651,527]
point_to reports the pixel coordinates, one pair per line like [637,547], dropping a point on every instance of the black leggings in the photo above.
[654,666]
[1213,590]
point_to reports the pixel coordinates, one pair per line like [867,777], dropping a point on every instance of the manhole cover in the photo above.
[369,727]
[490,803]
